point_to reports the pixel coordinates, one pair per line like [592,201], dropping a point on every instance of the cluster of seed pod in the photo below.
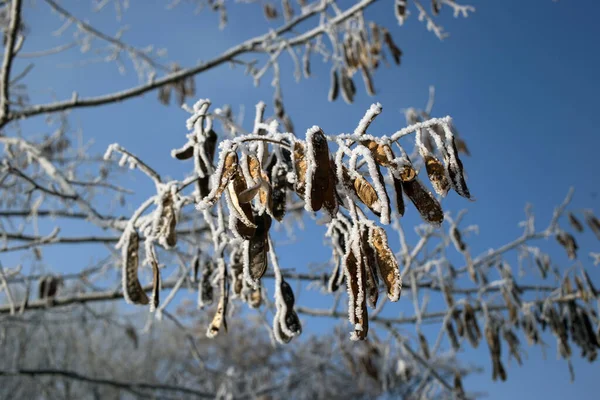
[567,240]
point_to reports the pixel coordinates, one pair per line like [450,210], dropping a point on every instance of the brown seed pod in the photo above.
[270,11]
[372,277]
[334,88]
[399,198]
[165,225]
[330,197]
[300,166]
[219,320]
[382,153]
[241,212]
[254,297]
[356,285]
[427,205]
[348,88]
[435,6]
[567,241]
[394,50]
[155,300]
[367,80]
[454,342]
[288,11]
[205,288]
[575,223]
[494,344]
[387,263]
[279,191]
[318,168]
[133,291]
[512,309]
[458,386]
[437,175]
[455,169]
[227,169]
[593,223]
[333,283]
[237,272]
[255,251]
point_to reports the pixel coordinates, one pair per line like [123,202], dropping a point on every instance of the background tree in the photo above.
[220,229]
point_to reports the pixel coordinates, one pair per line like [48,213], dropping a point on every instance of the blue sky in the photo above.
[518,77]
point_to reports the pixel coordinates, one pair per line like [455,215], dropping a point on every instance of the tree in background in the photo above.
[215,231]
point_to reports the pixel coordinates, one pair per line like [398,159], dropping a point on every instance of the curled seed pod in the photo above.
[593,223]
[318,168]
[242,217]
[334,89]
[219,320]
[427,205]
[400,10]
[455,166]
[300,166]
[226,170]
[255,251]
[333,283]
[387,263]
[280,336]
[437,175]
[575,222]
[372,277]
[155,299]
[567,241]
[260,185]
[367,194]
[355,281]
[133,291]
[205,288]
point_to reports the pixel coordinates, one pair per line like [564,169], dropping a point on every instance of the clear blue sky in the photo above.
[518,77]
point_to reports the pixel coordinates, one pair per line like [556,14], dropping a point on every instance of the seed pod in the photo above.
[333,282]
[382,153]
[155,299]
[494,344]
[288,11]
[593,223]
[133,291]
[458,386]
[512,310]
[367,80]
[400,10]
[205,288]
[219,319]
[300,166]
[456,238]
[260,183]
[279,191]
[424,346]
[318,168]
[372,277]
[255,251]
[452,335]
[278,333]
[165,224]
[195,268]
[330,197]
[387,263]
[241,213]
[237,272]
[348,88]
[334,89]
[575,223]
[355,282]
[455,167]
[437,175]
[399,198]
[254,297]
[435,6]
[394,50]
[427,205]
[306,61]
[226,170]
[184,153]
[270,11]
[567,241]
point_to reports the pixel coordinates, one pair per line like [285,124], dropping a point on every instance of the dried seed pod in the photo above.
[394,50]
[333,283]
[575,222]
[279,191]
[300,166]
[387,263]
[348,88]
[288,11]
[452,335]
[435,6]
[209,147]
[456,238]
[270,11]
[255,251]
[205,288]
[165,224]
[427,205]
[280,336]
[195,268]
[242,217]
[184,153]
[226,170]
[382,153]
[593,223]
[543,263]
[399,198]
[495,346]
[367,80]
[400,11]
[330,197]
[372,277]
[424,346]
[237,272]
[155,299]
[458,386]
[219,320]
[354,268]
[334,88]
[318,169]
[132,289]
[512,310]
[455,167]
[437,175]
[567,241]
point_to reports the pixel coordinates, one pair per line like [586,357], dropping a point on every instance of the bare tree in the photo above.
[213,232]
